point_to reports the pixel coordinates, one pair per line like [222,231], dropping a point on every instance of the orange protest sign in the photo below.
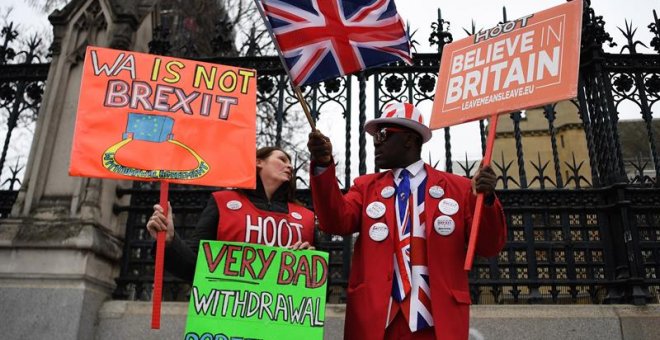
[520,64]
[147,117]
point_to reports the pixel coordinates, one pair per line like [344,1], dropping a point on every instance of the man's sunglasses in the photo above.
[382,134]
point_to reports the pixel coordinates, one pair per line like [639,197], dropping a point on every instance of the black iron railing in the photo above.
[560,247]
[23,72]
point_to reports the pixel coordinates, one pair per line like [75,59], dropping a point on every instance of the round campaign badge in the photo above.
[296,215]
[387,192]
[448,206]
[378,231]
[376,209]
[436,191]
[444,225]
[234,205]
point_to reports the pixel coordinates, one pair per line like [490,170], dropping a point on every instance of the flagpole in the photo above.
[304,105]
[296,89]
[474,230]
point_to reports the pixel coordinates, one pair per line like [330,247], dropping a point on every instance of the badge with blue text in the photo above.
[376,209]
[234,205]
[436,191]
[387,191]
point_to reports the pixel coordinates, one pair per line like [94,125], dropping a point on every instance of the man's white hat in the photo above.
[403,114]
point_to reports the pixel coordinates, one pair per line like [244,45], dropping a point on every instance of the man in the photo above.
[407,279]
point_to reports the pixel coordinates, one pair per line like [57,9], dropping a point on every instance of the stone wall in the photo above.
[60,248]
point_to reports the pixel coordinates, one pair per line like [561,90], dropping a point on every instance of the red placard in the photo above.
[147,117]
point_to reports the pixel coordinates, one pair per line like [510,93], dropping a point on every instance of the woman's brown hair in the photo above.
[265,152]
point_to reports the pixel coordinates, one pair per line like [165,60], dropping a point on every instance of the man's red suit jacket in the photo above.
[370,282]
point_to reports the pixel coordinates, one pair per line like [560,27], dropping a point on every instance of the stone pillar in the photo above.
[61,246]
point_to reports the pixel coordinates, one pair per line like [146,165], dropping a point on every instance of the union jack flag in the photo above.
[323,39]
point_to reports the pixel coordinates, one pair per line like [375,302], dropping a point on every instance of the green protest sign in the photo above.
[249,291]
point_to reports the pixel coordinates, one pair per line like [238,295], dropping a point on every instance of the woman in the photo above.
[266,215]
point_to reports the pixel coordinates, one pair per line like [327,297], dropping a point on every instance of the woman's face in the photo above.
[276,167]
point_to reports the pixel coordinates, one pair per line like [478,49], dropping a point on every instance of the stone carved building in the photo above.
[60,248]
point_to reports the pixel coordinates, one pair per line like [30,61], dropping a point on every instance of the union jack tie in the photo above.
[411,293]
[401,282]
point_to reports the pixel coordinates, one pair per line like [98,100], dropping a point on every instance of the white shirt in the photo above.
[417,175]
